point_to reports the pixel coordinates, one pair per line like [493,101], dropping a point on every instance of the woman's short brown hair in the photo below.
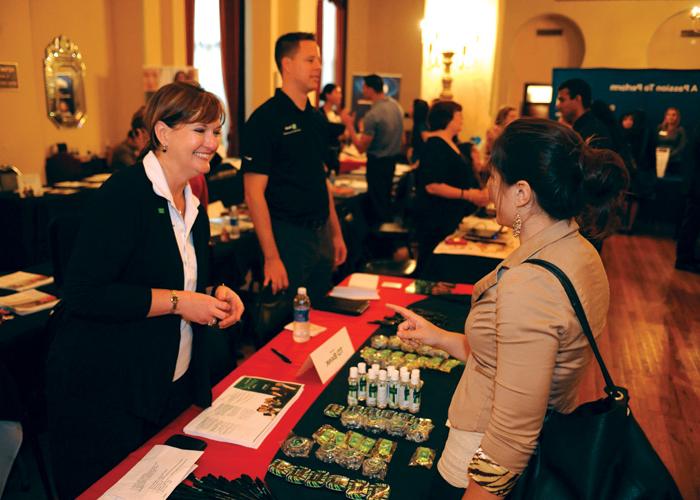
[180,103]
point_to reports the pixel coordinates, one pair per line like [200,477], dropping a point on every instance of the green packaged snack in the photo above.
[333,410]
[367,353]
[424,350]
[317,479]
[299,474]
[349,458]
[410,357]
[328,434]
[297,446]
[379,341]
[394,342]
[357,489]
[419,430]
[449,364]
[352,417]
[327,453]
[357,441]
[434,363]
[422,362]
[374,422]
[440,353]
[374,468]
[279,467]
[396,426]
[384,449]
[379,491]
[422,457]
[336,482]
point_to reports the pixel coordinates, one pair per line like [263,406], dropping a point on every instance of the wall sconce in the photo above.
[695,18]
[440,52]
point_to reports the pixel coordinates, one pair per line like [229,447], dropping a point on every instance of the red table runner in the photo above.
[230,460]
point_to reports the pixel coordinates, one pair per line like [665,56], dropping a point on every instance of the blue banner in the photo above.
[649,90]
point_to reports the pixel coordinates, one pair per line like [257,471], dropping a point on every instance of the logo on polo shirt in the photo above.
[290,129]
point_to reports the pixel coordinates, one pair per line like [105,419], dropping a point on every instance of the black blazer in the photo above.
[105,348]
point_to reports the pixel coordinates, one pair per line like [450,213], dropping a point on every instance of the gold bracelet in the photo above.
[174,299]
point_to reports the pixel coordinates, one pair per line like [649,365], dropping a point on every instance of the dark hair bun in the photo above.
[605,178]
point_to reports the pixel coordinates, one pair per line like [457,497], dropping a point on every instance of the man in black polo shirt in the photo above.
[284,177]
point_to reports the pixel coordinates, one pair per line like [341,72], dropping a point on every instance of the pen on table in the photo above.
[281,356]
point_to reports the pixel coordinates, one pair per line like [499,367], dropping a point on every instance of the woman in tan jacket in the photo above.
[524,348]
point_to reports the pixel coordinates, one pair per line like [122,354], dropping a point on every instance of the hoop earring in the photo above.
[164,148]
[517,225]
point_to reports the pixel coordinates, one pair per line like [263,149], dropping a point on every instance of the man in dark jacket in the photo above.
[574,104]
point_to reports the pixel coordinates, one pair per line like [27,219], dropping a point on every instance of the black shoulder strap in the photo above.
[610,387]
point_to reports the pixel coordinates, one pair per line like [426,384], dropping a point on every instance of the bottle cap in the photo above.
[403,370]
[362,367]
[375,367]
[390,369]
[372,373]
[395,376]
[404,376]
[415,373]
[382,375]
[415,377]
[353,372]
[301,290]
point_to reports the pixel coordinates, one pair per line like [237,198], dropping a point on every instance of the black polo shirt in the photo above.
[288,145]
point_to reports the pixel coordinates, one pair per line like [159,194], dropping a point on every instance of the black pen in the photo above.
[281,356]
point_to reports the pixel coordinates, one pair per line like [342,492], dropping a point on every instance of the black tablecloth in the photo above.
[405,481]
[458,268]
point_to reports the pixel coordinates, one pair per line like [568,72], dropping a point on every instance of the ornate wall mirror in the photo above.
[64,74]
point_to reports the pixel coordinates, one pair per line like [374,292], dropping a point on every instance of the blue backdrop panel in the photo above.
[650,90]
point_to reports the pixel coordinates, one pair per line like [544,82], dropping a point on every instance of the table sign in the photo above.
[330,356]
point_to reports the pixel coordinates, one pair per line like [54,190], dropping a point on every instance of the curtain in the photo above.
[341,22]
[232,50]
[189,31]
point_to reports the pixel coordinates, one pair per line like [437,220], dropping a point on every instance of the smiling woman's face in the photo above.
[192,145]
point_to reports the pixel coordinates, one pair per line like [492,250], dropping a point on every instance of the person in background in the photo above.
[419,132]
[381,139]
[129,349]
[127,153]
[642,179]
[671,134]
[524,348]
[689,228]
[504,116]
[285,182]
[446,188]
[574,104]
[332,98]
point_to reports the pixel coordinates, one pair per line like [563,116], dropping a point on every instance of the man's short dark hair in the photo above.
[577,87]
[375,82]
[288,44]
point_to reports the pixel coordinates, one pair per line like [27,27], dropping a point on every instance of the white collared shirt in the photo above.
[182,227]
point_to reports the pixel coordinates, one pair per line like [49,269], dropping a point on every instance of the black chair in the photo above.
[63,231]
[63,167]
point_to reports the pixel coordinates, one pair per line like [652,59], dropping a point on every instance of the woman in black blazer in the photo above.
[128,353]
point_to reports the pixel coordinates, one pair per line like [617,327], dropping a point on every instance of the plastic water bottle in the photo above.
[362,381]
[416,386]
[352,386]
[233,223]
[381,390]
[302,305]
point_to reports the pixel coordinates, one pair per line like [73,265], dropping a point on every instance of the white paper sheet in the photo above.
[246,412]
[363,280]
[313,329]
[21,281]
[354,293]
[156,475]
[28,302]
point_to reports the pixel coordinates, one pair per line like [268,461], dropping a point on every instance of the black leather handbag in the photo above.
[598,451]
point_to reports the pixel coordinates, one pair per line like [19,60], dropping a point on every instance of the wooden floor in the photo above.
[652,347]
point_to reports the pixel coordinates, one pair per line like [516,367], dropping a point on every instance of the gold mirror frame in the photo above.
[64,74]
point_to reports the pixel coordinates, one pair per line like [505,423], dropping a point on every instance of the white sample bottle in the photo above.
[404,391]
[382,390]
[352,386]
[416,386]
[362,381]
[393,390]
[302,306]
[372,388]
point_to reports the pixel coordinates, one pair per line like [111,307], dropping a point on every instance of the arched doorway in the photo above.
[668,49]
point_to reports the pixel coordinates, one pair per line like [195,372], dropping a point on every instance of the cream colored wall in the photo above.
[115,46]
[384,37]
[21,137]
[266,20]
[616,33]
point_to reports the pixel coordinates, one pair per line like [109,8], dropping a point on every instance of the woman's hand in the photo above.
[227,295]
[416,330]
[202,308]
